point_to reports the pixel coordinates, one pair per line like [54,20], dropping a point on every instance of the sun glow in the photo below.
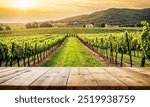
[23,4]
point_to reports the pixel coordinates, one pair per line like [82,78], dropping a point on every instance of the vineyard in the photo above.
[110,46]
[21,49]
[64,30]
[118,47]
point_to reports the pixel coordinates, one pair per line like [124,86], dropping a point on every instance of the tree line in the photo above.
[38,25]
[4,28]
[123,25]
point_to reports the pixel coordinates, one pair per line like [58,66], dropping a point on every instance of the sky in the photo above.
[43,10]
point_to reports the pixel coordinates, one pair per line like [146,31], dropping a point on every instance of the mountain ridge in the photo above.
[116,16]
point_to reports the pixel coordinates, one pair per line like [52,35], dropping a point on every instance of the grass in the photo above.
[135,60]
[72,54]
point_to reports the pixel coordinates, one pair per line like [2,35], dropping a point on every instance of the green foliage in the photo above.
[1,51]
[145,38]
[1,28]
[17,48]
[7,28]
[117,42]
[122,17]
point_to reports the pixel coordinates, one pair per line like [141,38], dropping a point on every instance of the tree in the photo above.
[34,25]
[28,25]
[1,28]
[84,25]
[46,24]
[7,28]
[103,25]
[138,25]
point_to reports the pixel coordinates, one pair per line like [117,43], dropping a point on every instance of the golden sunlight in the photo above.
[30,10]
[23,4]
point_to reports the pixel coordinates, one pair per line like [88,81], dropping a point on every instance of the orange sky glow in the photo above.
[41,10]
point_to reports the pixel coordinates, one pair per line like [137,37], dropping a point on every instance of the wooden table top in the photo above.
[74,78]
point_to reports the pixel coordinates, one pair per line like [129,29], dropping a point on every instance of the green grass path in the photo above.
[72,54]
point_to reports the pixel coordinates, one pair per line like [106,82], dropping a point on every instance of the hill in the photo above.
[114,16]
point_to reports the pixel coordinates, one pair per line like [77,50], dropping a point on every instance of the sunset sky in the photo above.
[40,10]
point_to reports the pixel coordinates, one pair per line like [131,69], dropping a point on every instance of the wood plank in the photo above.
[132,79]
[12,71]
[24,80]
[80,78]
[147,69]
[8,77]
[61,80]
[1,68]
[7,69]
[139,75]
[143,70]
[75,78]
[54,78]
[106,81]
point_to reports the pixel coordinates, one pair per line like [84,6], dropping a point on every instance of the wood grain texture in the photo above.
[80,78]
[24,80]
[106,80]
[132,79]
[56,78]
[6,69]
[145,70]
[12,71]
[75,78]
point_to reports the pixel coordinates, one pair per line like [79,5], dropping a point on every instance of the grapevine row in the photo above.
[120,43]
[17,49]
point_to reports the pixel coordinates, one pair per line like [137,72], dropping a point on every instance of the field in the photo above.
[65,30]
[15,26]
[74,46]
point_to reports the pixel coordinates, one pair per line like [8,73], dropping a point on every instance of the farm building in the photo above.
[89,26]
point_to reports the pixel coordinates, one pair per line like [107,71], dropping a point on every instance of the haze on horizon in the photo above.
[43,10]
